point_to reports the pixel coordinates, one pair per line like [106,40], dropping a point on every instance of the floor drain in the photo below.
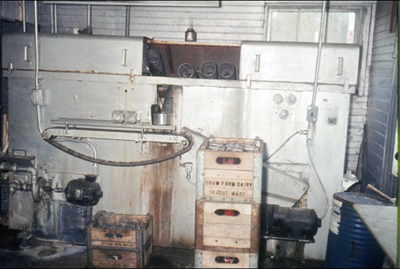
[47,252]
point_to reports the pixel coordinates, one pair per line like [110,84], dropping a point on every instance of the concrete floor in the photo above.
[42,254]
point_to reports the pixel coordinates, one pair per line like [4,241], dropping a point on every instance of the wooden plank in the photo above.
[209,259]
[374,147]
[117,257]
[148,251]
[227,233]
[211,217]
[109,258]
[377,126]
[228,183]
[229,174]
[108,236]
[228,192]
[226,242]
[383,104]
[227,230]
[378,115]
[381,82]
[212,159]
[380,93]
[199,224]
[123,237]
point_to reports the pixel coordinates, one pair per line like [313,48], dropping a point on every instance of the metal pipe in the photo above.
[39,117]
[90,144]
[36,46]
[55,19]
[52,18]
[264,37]
[23,16]
[321,36]
[89,21]
[371,34]
[311,124]
[127,20]
[38,109]
[15,168]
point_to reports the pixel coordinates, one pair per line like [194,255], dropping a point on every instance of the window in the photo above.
[303,26]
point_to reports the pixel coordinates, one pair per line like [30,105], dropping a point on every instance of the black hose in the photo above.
[123,164]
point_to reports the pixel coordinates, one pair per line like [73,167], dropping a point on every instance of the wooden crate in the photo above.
[120,248]
[220,259]
[121,238]
[229,175]
[227,226]
[115,257]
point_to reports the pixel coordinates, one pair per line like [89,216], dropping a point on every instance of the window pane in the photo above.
[341,27]
[283,26]
[303,26]
[309,26]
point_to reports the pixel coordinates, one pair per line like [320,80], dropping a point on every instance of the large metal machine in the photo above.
[94,109]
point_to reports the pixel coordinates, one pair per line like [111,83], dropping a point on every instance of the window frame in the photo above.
[363,35]
[358,27]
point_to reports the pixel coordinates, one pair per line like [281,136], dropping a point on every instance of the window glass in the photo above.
[284,26]
[341,27]
[303,26]
[309,24]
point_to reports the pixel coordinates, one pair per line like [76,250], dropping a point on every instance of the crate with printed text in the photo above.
[120,240]
[229,227]
[230,169]
[221,259]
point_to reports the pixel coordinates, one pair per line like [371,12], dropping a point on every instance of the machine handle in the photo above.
[124,57]
[257,63]
[26,54]
[340,66]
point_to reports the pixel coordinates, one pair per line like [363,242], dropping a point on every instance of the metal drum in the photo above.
[209,70]
[186,70]
[226,70]
[350,244]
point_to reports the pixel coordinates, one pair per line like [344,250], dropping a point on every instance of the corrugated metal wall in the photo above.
[382,105]
[233,22]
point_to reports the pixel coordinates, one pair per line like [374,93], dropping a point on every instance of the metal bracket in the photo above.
[37,97]
[116,135]
[312,113]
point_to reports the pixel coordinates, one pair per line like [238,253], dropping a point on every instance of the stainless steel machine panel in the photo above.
[95,54]
[18,51]
[295,62]
[272,108]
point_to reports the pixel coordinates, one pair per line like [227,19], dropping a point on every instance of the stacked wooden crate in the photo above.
[228,201]
[117,246]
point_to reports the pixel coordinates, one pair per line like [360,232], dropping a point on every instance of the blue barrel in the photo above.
[350,243]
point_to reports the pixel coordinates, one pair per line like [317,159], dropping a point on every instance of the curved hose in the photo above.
[123,164]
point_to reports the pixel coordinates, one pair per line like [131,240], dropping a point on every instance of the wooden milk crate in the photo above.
[120,257]
[224,175]
[229,227]
[220,259]
[115,248]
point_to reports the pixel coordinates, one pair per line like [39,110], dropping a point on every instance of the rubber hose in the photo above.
[123,164]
